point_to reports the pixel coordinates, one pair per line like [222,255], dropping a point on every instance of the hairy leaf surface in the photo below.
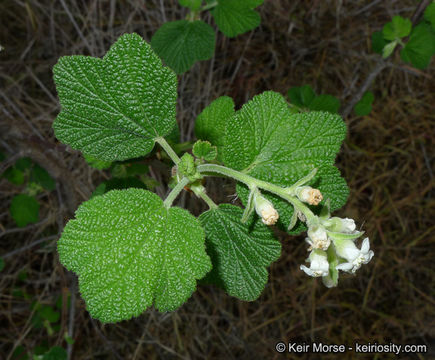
[130,252]
[420,47]
[181,43]
[113,108]
[240,252]
[234,17]
[210,124]
[265,140]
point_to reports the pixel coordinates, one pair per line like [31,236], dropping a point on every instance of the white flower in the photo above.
[355,257]
[318,238]
[348,225]
[309,195]
[319,265]
[337,224]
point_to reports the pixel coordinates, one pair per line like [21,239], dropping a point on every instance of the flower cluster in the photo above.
[333,248]
[331,239]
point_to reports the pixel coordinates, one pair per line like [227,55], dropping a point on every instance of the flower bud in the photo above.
[337,224]
[309,195]
[265,209]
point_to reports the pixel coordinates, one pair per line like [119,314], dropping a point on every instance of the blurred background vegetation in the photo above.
[387,159]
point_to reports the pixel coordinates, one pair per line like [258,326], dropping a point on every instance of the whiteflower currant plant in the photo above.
[132,250]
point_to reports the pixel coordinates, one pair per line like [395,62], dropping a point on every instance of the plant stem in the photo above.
[171,153]
[175,191]
[199,191]
[252,182]
[209,6]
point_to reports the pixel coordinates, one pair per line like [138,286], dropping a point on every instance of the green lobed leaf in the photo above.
[41,177]
[325,102]
[130,252]
[23,164]
[301,96]
[429,14]
[420,47]
[114,108]
[204,150]
[191,4]
[24,210]
[55,353]
[96,163]
[235,17]
[378,42]
[182,43]
[240,252]
[14,176]
[265,140]
[397,28]
[48,313]
[364,106]
[210,124]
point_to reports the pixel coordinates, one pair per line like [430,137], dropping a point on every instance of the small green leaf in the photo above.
[420,47]
[398,28]
[234,17]
[23,164]
[364,106]
[191,4]
[114,108]
[96,163]
[118,184]
[24,210]
[301,96]
[14,176]
[240,252]
[186,165]
[388,49]
[210,124]
[20,353]
[182,43]
[130,252]
[48,313]
[429,14]
[2,264]
[68,339]
[41,177]
[2,156]
[55,353]
[286,149]
[204,150]
[325,103]
[378,42]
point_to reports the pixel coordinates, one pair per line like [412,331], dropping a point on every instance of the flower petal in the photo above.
[344,266]
[307,271]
